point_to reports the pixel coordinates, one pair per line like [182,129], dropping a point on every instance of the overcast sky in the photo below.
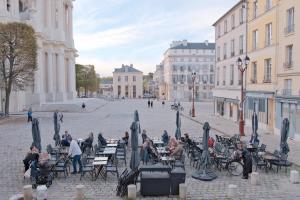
[109,33]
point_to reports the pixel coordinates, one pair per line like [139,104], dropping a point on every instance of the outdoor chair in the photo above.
[195,158]
[121,154]
[53,152]
[86,168]
[259,162]
[111,167]
[281,162]
[262,148]
[61,167]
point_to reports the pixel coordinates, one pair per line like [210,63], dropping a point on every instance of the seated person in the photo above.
[126,138]
[88,142]
[178,151]
[187,139]
[66,139]
[172,144]
[101,140]
[165,137]
[211,142]
[30,157]
[152,150]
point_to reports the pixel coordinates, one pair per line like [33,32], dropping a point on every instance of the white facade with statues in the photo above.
[52,21]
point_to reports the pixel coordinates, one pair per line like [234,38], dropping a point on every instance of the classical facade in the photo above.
[159,82]
[127,82]
[106,88]
[230,44]
[180,61]
[52,21]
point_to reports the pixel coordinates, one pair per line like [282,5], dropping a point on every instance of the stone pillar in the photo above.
[38,77]
[27,191]
[254,178]
[79,192]
[61,76]
[72,77]
[50,74]
[182,191]
[131,192]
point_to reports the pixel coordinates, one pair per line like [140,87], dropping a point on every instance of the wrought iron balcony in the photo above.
[288,65]
[289,29]
[267,80]
[286,92]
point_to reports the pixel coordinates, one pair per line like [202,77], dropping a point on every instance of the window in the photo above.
[290,21]
[134,78]
[225,26]
[232,21]
[224,75]
[126,90]
[289,56]
[239,77]
[126,78]
[267,71]
[119,78]
[241,44]
[231,74]
[225,50]
[56,18]
[255,39]
[8,5]
[219,31]
[241,15]
[254,73]
[174,68]
[232,47]
[287,87]
[268,34]
[268,4]
[218,76]
[255,9]
[211,79]
[119,90]
[218,53]
[134,91]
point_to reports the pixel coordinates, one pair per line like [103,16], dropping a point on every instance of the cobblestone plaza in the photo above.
[113,118]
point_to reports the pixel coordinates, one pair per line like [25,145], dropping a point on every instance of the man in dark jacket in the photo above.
[247,161]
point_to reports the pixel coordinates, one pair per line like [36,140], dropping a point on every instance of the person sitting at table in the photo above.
[126,138]
[66,139]
[178,151]
[75,152]
[88,142]
[165,137]
[187,139]
[152,150]
[172,144]
[144,136]
[30,157]
[101,140]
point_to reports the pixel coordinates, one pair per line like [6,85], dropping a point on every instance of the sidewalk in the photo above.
[229,128]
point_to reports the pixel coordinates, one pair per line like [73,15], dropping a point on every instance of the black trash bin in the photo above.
[177,177]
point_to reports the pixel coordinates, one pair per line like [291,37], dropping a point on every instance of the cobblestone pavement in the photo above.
[112,120]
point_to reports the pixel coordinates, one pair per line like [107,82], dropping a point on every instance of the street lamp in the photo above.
[193,106]
[242,66]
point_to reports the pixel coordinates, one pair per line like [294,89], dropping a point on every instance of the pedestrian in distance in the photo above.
[83,106]
[148,103]
[29,115]
[151,104]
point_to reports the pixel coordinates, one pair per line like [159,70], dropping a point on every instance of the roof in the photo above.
[106,81]
[193,45]
[231,9]
[126,69]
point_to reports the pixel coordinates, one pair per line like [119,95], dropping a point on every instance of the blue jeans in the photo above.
[76,159]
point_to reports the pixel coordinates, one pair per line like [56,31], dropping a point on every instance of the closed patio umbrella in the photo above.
[284,147]
[56,136]
[205,173]
[254,136]
[36,135]
[135,130]
[178,126]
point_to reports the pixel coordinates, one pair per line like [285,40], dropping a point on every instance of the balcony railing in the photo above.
[288,65]
[267,80]
[289,29]
[287,92]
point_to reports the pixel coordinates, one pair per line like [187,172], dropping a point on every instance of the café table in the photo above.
[112,141]
[99,163]
[167,159]
[112,145]
[158,142]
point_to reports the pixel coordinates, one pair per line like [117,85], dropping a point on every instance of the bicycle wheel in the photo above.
[235,168]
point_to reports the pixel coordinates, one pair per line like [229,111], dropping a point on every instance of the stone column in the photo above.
[38,80]
[70,28]
[61,76]
[50,74]
[72,77]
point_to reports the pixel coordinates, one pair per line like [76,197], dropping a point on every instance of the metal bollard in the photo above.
[131,192]
[27,191]
[294,176]
[182,191]
[79,192]
[254,178]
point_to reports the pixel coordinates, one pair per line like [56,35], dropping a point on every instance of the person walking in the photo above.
[75,153]
[29,115]
[148,103]
[83,106]
[151,104]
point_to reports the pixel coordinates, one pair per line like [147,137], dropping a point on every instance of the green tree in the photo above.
[18,58]
[86,78]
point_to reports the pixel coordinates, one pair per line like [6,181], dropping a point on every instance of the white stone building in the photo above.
[159,82]
[127,82]
[230,44]
[52,21]
[180,61]
[106,88]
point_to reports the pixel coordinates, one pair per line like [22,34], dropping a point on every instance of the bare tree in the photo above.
[18,55]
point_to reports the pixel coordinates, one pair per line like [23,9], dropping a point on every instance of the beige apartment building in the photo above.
[127,82]
[230,45]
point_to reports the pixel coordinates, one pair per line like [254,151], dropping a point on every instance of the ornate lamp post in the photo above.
[193,106]
[242,65]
